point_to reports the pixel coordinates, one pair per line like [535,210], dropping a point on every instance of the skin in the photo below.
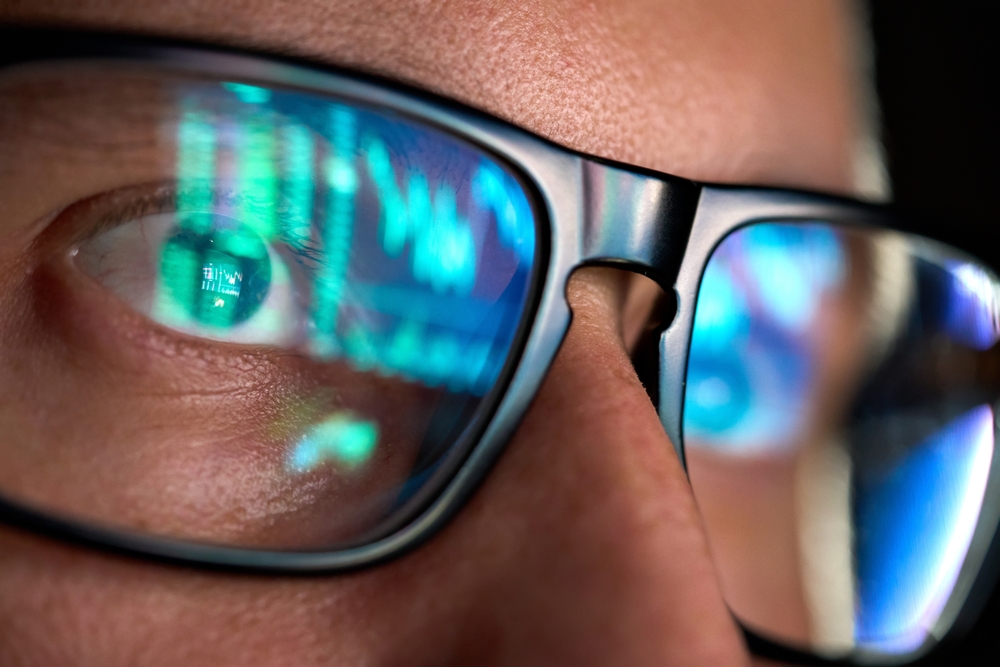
[584,545]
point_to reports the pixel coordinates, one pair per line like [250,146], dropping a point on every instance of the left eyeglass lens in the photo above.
[239,314]
[839,428]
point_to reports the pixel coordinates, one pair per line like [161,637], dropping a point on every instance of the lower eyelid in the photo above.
[227,409]
[101,331]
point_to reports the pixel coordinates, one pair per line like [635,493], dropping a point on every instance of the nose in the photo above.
[584,546]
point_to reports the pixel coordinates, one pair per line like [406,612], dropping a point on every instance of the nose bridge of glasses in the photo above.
[637,221]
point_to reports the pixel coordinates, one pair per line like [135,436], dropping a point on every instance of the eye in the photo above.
[203,274]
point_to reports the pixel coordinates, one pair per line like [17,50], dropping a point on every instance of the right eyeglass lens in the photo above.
[247,315]
[839,430]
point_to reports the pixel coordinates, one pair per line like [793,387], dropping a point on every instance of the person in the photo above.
[584,545]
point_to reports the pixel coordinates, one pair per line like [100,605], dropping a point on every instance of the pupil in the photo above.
[219,277]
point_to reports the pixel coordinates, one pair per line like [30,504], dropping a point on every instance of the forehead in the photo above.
[718,90]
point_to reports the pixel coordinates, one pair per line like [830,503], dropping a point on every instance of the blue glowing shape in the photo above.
[914,526]
[793,265]
[973,311]
[342,440]
[248,94]
[287,169]
[443,250]
[717,396]
[721,318]
[494,190]
[718,392]
[750,359]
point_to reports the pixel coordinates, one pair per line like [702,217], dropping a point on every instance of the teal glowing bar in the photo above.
[298,183]
[196,146]
[257,180]
[342,183]
[340,439]
[395,216]
[434,358]
[248,94]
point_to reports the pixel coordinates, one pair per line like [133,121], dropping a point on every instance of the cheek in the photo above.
[63,607]
[112,420]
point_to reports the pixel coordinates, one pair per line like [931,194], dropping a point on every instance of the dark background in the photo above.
[936,71]
[936,67]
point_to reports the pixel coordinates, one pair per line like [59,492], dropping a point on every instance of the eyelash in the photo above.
[155,199]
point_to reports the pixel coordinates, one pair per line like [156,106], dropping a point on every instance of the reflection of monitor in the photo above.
[855,431]
[751,364]
[343,190]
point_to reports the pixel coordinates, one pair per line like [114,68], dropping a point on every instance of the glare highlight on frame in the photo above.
[974,306]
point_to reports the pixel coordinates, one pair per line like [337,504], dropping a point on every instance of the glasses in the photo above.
[277,318]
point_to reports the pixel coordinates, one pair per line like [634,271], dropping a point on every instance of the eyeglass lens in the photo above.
[256,316]
[839,428]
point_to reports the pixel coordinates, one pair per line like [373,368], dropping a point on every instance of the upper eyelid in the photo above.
[100,213]
[90,216]
[161,200]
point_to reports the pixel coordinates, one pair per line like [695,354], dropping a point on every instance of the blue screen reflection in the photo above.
[900,393]
[417,247]
[751,363]
[914,523]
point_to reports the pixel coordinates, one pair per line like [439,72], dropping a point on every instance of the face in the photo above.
[584,545]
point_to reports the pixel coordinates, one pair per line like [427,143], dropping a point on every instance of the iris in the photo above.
[218,278]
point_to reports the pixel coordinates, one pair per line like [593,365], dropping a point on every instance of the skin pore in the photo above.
[583,546]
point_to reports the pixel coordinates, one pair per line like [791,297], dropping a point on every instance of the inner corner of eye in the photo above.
[341,440]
